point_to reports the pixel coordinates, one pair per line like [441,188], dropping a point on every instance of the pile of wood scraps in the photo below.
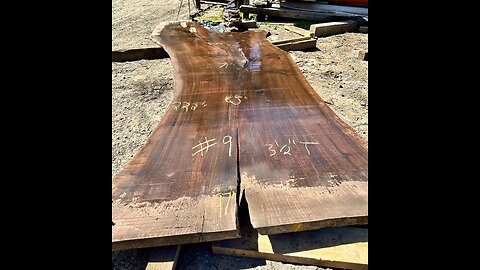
[244,129]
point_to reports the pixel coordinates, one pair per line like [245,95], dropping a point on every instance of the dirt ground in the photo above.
[142,90]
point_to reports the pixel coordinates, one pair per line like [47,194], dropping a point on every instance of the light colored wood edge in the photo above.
[286,258]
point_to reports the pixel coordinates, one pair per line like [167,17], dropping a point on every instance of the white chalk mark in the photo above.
[277,143]
[307,143]
[270,146]
[230,142]
[176,106]
[287,152]
[229,99]
[208,145]
[194,106]
[185,106]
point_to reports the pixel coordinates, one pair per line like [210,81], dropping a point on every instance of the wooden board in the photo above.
[289,13]
[326,8]
[332,28]
[300,165]
[181,187]
[298,45]
[241,110]
[298,30]
[163,258]
[363,55]
[343,247]
[139,54]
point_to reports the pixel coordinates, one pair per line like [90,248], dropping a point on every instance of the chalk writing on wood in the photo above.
[234,100]
[186,106]
[208,143]
[285,149]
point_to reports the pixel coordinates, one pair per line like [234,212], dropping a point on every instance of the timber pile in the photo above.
[244,125]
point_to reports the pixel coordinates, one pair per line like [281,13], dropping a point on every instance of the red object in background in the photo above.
[353,3]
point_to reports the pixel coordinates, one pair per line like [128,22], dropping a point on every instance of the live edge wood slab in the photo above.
[243,120]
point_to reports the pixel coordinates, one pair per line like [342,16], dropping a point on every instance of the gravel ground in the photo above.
[142,90]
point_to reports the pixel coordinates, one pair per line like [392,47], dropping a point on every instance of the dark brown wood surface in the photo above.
[181,187]
[241,110]
[300,165]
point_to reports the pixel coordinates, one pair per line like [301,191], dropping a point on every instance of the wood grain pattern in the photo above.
[241,110]
[301,166]
[343,247]
[298,30]
[172,191]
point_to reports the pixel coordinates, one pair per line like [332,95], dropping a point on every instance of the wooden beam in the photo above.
[343,247]
[139,54]
[197,4]
[323,16]
[288,13]
[163,258]
[298,45]
[332,28]
[327,8]
[243,120]
[294,44]
[290,40]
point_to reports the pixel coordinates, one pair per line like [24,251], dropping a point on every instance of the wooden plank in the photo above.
[197,4]
[332,28]
[342,247]
[355,3]
[301,166]
[363,29]
[298,45]
[138,54]
[159,53]
[290,13]
[363,55]
[290,40]
[163,258]
[213,3]
[326,8]
[181,187]
[298,30]
[241,108]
